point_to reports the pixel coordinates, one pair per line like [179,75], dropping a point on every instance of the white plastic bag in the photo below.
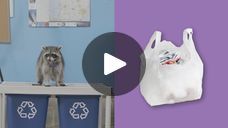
[168,83]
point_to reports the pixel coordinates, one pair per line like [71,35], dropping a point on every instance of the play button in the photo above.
[114,60]
[111,64]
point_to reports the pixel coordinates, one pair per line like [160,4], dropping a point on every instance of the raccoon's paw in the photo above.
[61,84]
[37,84]
[47,85]
[40,83]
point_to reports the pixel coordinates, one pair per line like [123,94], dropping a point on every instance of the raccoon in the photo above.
[50,66]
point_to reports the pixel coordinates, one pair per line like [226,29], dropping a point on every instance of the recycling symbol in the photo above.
[79,111]
[27,110]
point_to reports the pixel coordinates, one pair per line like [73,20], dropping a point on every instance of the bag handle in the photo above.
[188,39]
[155,38]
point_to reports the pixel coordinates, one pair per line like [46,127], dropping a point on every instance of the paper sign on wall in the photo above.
[58,13]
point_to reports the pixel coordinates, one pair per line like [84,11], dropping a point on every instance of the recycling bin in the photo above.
[26,111]
[78,111]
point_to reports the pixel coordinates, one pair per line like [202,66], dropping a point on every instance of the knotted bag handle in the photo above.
[155,38]
[188,39]
[189,43]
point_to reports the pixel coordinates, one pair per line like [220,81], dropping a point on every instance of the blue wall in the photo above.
[18,59]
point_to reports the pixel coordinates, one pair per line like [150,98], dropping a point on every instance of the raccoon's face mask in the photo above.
[51,58]
[52,55]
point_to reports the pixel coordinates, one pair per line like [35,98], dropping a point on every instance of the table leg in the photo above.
[3,110]
[1,104]
[108,111]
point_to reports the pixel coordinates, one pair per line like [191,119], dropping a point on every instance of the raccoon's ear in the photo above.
[60,47]
[44,47]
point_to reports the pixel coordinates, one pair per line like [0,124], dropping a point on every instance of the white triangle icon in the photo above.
[112,64]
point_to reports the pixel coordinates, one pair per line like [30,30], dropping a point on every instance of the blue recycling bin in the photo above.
[78,111]
[27,111]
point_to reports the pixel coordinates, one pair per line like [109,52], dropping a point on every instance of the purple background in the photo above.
[139,19]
